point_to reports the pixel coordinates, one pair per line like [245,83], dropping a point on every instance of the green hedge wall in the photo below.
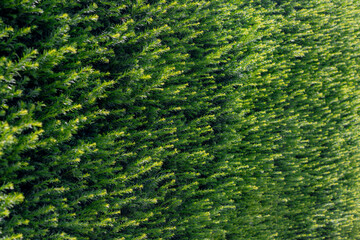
[179,119]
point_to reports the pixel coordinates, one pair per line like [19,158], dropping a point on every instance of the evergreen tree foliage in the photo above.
[179,119]
[302,139]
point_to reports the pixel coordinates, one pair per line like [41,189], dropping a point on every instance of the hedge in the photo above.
[155,119]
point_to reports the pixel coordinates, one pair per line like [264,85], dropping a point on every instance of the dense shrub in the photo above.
[179,119]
